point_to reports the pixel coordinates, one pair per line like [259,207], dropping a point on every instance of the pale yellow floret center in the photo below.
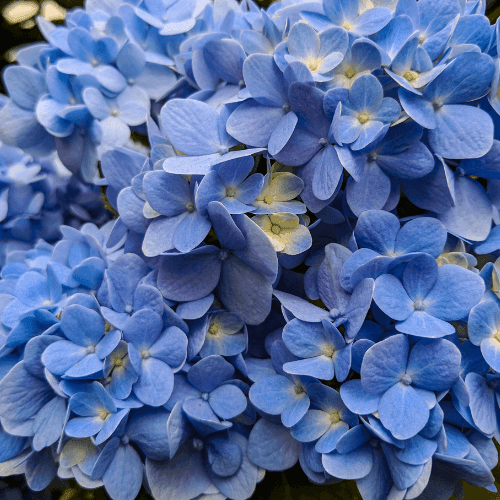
[103,414]
[328,351]
[213,329]
[421,39]
[230,192]
[313,64]
[118,362]
[363,117]
[334,417]
[350,72]
[275,229]
[346,26]
[411,75]
[190,207]
[268,199]
[497,334]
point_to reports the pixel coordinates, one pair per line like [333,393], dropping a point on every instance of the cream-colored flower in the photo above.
[285,232]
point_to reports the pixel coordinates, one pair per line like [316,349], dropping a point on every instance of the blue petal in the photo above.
[227,401]
[190,277]
[183,477]
[384,363]
[168,194]
[353,465]
[456,291]
[155,383]
[273,394]
[264,80]
[118,485]
[357,399]
[82,326]
[434,364]
[143,329]
[461,132]
[218,368]
[272,447]
[192,126]
[392,298]
[403,411]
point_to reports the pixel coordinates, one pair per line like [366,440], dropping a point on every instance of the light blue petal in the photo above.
[462,288]
[392,298]
[384,364]
[227,401]
[272,447]
[273,394]
[461,132]
[155,383]
[402,411]
[118,485]
[434,364]
[357,399]
[353,465]
[191,126]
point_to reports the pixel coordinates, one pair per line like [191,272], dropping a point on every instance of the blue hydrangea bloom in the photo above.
[428,297]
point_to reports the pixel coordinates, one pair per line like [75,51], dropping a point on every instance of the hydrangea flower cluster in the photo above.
[264,295]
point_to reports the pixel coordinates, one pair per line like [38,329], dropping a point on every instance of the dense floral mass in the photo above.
[300,267]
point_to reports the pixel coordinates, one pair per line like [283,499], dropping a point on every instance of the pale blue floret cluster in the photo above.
[303,266]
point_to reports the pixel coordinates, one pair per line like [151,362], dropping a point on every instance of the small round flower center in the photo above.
[118,362]
[107,327]
[298,389]
[328,351]
[286,107]
[437,104]
[268,199]
[275,229]
[190,207]
[241,83]
[130,81]
[47,303]
[363,117]
[418,305]
[334,417]
[145,354]
[406,379]
[102,414]
[334,314]
[350,73]
[125,440]
[346,26]
[230,192]
[197,444]
[372,156]
[411,75]
[313,64]
[91,348]
[497,334]
[421,39]
[224,150]
[73,101]
[113,112]
[323,141]
[128,308]
[94,62]
[204,396]
[213,329]
[223,254]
